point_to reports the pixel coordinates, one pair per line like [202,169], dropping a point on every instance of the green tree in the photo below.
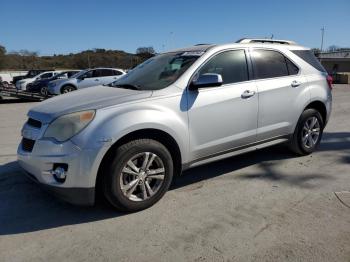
[2,56]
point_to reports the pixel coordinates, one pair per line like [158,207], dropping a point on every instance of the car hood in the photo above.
[90,98]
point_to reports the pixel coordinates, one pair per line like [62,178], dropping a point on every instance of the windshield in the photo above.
[158,72]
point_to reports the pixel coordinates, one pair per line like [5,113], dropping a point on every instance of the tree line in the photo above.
[99,57]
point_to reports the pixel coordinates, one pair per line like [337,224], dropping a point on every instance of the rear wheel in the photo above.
[308,133]
[139,175]
[67,89]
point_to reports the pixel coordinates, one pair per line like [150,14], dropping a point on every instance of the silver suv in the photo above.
[84,79]
[175,111]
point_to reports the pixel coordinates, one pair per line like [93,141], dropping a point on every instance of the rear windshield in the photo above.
[310,58]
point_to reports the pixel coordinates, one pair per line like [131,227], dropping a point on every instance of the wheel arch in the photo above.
[67,84]
[149,133]
[320,107]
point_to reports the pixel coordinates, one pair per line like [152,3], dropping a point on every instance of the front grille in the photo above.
[34,123]
[27,144]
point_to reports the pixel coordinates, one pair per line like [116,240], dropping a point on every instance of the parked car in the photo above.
[22,84]
[86,78]
[175,111]
[30,74]
[41,85]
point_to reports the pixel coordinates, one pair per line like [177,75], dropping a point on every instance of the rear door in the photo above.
[91,78]
[106,76]
[282,93]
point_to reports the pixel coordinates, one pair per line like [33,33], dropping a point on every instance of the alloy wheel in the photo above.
[142,176]
[311,132]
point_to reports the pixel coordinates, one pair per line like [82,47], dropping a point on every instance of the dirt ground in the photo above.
[262,206]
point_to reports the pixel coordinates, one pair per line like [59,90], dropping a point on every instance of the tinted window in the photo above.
[117,73]
[47,75]
[96,73]
[310,58]
[71,73]
[231,65]
[292,68]
[90,74]
[105,72]
[269,64]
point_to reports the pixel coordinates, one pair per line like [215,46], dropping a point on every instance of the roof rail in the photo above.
[267,41]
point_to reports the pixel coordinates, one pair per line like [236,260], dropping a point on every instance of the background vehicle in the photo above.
[30,74]
[177,110]
[22,84]
[40,86]
[84,79]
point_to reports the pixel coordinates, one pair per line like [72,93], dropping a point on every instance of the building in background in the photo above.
[337,65]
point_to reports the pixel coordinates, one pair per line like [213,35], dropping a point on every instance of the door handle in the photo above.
[295,83]
[247,94]
[97,80]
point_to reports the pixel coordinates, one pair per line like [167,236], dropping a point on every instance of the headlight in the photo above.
[66,126]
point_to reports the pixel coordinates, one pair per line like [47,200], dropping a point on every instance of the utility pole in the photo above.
[88,58]
[322,36]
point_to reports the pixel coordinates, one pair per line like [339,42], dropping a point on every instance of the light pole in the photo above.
[322,36]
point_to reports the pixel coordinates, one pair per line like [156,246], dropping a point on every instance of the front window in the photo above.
[158,72]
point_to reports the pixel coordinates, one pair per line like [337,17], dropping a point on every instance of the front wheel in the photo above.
[139,175]
[44,91]
[308,133]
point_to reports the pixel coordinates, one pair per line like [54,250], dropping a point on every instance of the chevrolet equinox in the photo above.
[175,111]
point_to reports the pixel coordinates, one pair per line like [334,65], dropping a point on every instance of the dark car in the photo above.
[30,74]
[40,86]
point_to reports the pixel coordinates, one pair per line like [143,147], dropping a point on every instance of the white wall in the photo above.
[8,75]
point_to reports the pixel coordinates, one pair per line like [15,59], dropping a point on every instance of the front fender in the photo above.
[111,124]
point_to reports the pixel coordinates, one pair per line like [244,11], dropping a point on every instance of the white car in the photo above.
[22,84]
[84,79]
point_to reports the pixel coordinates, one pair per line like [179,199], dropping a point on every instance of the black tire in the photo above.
[296,143]
[67,89]
[114,176]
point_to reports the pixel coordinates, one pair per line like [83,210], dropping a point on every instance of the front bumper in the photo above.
[75,196]
[79,186]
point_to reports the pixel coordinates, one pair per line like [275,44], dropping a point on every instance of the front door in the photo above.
[225,117]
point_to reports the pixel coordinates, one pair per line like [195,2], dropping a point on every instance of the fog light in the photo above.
[59,173]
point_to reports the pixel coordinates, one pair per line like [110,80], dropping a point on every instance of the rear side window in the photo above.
[106,72]
[309,58]
[117,73]
[231,65]
[268,64]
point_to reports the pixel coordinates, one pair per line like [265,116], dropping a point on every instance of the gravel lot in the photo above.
[263,206]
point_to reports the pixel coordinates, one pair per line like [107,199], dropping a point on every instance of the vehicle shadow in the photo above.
[14,101]
[264,159]
[24,207]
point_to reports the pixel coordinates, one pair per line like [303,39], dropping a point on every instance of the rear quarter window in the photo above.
[309,58]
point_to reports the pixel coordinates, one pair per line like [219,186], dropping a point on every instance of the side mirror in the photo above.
[206,80]
[81,77]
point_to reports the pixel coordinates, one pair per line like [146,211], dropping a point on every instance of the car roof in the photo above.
[244,43]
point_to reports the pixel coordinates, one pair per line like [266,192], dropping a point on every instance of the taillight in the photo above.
[330,82]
